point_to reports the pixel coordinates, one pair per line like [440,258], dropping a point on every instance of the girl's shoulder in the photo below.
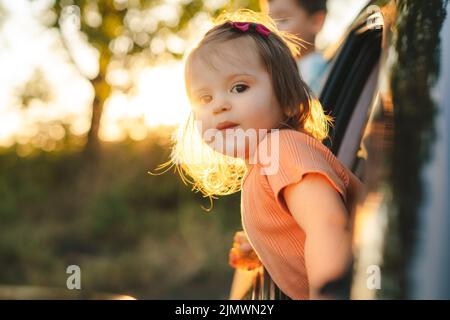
[299,134]
[290,141]
[287,133]
[288,153]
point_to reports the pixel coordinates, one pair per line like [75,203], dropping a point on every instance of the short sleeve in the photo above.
[296,155]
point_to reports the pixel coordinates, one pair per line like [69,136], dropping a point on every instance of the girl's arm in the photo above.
[319,210]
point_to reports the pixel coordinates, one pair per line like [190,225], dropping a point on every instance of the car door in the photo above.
[401,228]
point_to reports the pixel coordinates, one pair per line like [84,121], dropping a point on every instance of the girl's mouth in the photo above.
[226,125]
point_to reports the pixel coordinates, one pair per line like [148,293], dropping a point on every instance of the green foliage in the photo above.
[131,233]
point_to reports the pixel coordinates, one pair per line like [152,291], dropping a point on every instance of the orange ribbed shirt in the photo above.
[273,232]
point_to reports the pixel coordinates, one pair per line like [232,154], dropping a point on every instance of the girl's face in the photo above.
[231,90]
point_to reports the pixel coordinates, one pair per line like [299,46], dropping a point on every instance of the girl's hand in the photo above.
[242,255]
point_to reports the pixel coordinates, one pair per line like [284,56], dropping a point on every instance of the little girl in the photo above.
[256,128]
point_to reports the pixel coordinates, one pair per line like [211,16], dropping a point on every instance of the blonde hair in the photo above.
[215,174]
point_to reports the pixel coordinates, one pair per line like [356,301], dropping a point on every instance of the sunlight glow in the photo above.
[340,14]
[33,55]
[160,99]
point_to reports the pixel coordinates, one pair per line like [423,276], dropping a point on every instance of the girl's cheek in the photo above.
[253,106]
[197,117]
[204,119]
[195,113]
[202,125]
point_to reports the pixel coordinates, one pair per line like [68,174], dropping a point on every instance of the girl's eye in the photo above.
[239,88]
[204,99]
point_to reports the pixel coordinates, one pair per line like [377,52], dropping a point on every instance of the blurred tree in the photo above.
[36,88]
[122,30]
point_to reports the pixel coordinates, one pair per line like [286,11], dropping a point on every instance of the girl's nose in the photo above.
[221,107]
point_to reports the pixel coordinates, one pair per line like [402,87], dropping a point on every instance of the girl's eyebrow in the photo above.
[235,75]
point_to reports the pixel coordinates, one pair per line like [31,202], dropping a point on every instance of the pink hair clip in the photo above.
[245,26]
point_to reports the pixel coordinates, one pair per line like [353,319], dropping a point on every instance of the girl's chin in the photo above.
[233,143]
[231,151]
